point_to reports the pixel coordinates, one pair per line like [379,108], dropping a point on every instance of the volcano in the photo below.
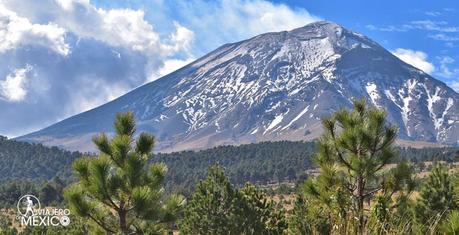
[275,86]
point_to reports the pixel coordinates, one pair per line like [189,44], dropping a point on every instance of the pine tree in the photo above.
[437,197]
[48,194]
[217,207]
[391,207]
[352,154]
[116,191]
[214,208]
[260,214]
[309,218]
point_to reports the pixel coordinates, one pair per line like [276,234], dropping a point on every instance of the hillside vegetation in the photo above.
[33,162]
[260,163]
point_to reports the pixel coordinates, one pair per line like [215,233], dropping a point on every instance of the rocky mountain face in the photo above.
[275,86]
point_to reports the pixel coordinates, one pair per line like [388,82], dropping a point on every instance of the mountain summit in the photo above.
[274,86]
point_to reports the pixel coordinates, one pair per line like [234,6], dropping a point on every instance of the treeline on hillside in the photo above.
[258,163]
[261,163]
[268,162]
[33,162]
[447,154]
[49,192]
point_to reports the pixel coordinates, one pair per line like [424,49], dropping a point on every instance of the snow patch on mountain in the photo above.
[372,91]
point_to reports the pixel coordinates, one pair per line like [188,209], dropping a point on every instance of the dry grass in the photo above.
[11,215]
[287,201]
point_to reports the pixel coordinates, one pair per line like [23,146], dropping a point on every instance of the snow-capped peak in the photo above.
[276,86]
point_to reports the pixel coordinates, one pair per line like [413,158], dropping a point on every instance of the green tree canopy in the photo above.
[352,156]
[217,207]
[116,191]
[437,196]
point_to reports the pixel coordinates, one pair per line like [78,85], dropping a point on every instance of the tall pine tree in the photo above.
[352,155]
[116,190]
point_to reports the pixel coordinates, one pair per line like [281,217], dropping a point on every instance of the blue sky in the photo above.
[61,57]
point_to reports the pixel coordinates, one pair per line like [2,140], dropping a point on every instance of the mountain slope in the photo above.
[271,87]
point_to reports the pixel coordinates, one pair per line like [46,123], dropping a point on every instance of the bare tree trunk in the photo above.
[360,201]
[122,215]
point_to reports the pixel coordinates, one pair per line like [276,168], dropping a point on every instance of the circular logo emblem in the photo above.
[65,220]
[27,205]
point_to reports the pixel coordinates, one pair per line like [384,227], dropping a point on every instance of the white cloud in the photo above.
[172,65]
[224,21]
[69,4]
[16,31]
[371,27]
[100,91]
[389,28]
[125,28]
[13,88]
[119,27]
[440,26]
[263,16]
[433,13]
[182,38]
[417,59]
[444,70]
[449,44]
[425,25]
[444,37]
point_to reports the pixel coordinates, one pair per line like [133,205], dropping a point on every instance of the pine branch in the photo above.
[374,190]
[340,155]
[101,224]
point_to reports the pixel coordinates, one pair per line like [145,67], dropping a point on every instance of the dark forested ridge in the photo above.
[259,163]
[33,162]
